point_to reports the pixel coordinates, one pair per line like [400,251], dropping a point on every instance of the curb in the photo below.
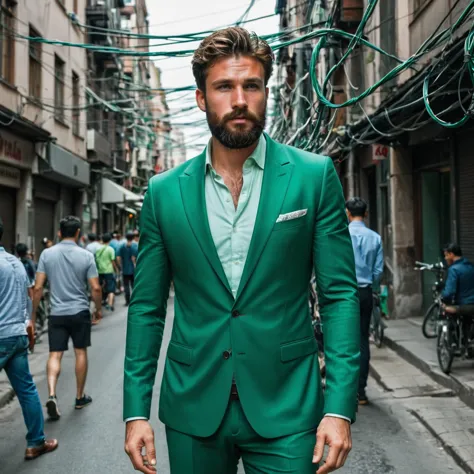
[9,394]
[6,397]
[464,392]
[462,463]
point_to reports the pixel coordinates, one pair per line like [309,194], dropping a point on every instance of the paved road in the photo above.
[386,438]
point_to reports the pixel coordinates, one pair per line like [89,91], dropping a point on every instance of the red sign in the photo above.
[380,152]
[10,149]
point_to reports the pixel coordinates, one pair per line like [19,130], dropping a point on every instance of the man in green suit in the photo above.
[239,229]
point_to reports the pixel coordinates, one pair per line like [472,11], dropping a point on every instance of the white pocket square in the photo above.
[291,215]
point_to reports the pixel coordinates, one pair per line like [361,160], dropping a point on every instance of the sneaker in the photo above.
[363,400]
[108,307]
[52,408]
[83,402]
[112,308]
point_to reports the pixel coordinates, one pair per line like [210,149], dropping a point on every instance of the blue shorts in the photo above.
[107,282]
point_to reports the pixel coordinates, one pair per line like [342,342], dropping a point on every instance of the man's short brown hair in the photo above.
[233,41]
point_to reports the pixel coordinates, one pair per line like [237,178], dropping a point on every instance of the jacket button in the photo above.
[226,355]
[235,314]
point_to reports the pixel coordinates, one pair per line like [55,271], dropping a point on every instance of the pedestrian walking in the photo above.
[242,227]
[14,344]
[93,244]
[368,255]
[127,256]
[105,259]
[30,267]
[68,268]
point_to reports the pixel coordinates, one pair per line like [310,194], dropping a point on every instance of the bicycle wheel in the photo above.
[430,322]
[377,326]
[445,351]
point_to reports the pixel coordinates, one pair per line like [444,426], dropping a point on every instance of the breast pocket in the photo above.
[291,224]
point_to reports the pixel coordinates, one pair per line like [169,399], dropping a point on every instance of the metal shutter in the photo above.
[8,215]
[465,148]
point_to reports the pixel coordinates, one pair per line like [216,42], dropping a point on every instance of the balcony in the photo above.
[98,148]
[103,14]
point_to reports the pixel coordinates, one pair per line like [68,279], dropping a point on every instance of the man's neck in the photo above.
[227,159]
[357,219]
[456,259]
[69,239]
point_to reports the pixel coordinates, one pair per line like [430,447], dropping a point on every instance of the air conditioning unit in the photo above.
[142,154]
[115,14]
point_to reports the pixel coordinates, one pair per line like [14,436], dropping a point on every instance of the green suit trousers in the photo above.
[235,439]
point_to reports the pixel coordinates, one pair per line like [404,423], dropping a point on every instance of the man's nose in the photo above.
[238,98]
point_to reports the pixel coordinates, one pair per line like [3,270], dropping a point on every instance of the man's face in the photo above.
[449,257]
[235,101]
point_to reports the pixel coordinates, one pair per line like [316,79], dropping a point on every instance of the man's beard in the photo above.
[236,139]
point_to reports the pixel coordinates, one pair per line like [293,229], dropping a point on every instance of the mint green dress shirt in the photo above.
[232,228]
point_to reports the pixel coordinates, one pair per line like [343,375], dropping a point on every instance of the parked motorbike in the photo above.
[455,336]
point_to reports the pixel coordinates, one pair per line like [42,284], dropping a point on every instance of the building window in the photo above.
[35,66]
[7,42]
[76,113]
[59,67]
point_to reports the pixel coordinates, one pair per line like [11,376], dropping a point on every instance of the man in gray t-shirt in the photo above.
[69,269]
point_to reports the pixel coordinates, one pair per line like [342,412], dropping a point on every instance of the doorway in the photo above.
[435,222]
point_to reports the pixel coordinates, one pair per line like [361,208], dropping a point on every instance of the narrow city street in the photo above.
[387,439]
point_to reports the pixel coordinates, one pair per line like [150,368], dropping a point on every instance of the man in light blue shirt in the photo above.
[368,254]
[14,318]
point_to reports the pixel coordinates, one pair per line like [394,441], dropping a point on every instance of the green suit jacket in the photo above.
[264,336]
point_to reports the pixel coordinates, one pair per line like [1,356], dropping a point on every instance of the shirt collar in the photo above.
[358,224]
[67,242]
[461,260]
[258,156]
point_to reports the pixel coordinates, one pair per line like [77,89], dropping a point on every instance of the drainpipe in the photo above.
[350,176]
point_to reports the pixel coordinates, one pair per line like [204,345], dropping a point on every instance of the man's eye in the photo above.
[252,86]
[224,87]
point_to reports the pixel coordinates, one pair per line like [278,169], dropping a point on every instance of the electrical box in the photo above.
[352,11]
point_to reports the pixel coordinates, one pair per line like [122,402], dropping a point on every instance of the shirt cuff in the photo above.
[334,415]
[136,418]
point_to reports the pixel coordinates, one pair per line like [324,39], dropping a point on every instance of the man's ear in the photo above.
[201,99]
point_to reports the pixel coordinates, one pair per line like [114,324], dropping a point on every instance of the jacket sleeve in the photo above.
[338,297]
[450,288]
[146,314]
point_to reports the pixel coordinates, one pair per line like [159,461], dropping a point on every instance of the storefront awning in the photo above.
[64,167]
[113,193]
[127,209]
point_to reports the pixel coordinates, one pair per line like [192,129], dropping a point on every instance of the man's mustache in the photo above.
[240,113]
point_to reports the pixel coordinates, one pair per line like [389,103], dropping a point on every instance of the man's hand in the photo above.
[139,434]
[30,330]
[336,433]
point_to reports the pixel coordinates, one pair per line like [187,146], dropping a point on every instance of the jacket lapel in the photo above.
[193,195]
[276,178]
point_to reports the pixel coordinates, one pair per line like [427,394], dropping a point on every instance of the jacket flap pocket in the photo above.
[180,353]
[301,348]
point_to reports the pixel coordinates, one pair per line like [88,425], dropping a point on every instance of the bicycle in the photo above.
[433,314]
[455,335]
[377,325]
